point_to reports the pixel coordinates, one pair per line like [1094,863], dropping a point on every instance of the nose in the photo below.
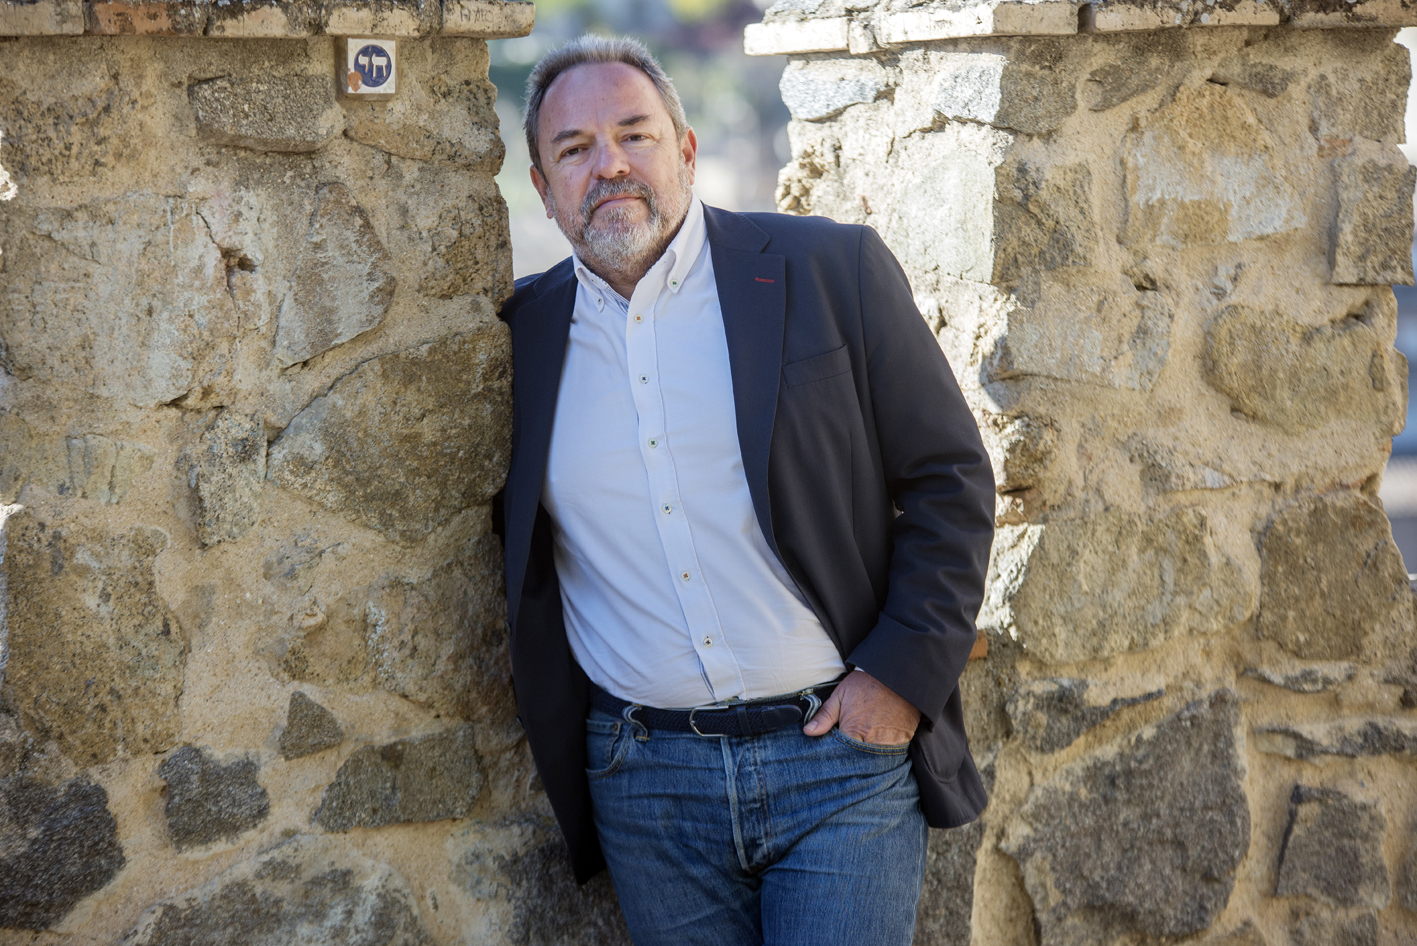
[611,160]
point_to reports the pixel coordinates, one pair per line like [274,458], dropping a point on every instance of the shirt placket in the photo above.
[676,537]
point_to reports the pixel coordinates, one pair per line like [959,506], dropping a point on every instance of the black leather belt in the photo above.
[748,718]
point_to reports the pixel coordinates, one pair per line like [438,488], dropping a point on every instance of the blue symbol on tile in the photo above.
[374,64]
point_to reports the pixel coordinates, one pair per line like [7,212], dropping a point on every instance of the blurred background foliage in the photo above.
[732,101]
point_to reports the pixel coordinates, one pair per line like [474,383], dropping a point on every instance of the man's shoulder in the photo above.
[531,287]
[792,228]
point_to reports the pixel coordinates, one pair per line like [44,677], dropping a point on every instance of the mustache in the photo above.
[618,187]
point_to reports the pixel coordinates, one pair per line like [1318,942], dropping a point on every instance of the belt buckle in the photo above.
[694,726]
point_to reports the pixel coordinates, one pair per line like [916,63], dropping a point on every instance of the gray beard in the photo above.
[615,246]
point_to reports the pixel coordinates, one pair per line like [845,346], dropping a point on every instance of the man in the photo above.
[747,523]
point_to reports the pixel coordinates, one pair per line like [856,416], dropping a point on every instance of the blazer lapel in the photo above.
[542,326]
[752,291]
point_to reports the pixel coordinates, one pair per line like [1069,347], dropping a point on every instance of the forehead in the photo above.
[598,93]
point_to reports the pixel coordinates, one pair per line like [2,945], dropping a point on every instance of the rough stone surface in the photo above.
[268,113]
[1310,679]
[115,678]
[1044,220]
[1142,840]
[1363,99]
[1337,931]
[342,285]
[228,474]
[814,91]
[306,892]
[1204,170]
[309,728]
[104,470]
[1333,850]
[435,413]
[1373,243]
[209,801]
[1051,714]
[425,778]
[1332,579]
[947,895]
[1246,934]
[1407,881]
[1081,589]
[58,844]
[1352,738]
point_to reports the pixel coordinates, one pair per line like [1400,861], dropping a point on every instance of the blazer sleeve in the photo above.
[938,474]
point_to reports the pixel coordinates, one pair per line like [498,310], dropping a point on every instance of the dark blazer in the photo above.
[866,470]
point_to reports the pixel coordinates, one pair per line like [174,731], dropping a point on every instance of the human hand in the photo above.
[866,710]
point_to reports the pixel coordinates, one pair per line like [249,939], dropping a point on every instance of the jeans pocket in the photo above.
[606,742]
[871,747]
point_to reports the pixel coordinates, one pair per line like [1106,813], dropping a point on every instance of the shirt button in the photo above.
[667,510]
[684,575]
[654,443]
[644,379]
[673,282]
[708,641]
[639,318]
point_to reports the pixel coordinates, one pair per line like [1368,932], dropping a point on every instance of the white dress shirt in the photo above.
[672,597]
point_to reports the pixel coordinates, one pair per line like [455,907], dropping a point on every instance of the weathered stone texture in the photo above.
[58,844]
[814,91]
[1332,850]
[342,284]
[208,800]
[306,892]
[228,473]
[1081,589]
[1332,579]
[309,728]
[1142,840]
[947,894]
[1352,738]
[1051,714]
[424,778]
[114,678]
[267,113]
[407,439]
[1298,377]
[1337,931]
[1373,243]
[104,470]
[1311,679]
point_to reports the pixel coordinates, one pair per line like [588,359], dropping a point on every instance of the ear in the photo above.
[539,183]
[690,150]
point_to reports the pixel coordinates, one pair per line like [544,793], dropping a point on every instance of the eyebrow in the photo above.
[561,136]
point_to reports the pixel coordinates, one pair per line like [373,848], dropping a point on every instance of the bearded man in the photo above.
[746,526]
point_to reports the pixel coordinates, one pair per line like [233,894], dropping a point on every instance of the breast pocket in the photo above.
[817,368]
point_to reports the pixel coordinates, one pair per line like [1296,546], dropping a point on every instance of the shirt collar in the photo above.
[668,272]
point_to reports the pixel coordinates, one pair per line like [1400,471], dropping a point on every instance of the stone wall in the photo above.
[254,406]
[1159,261]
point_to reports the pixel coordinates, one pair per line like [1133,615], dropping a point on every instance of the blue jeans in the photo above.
[779,839]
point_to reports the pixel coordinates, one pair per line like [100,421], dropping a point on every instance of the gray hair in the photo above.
[596,49]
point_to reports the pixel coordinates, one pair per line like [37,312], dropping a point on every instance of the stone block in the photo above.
[1337,931]
[41,18]
[1333,850]
[424,778]
[1373,242]
[104,470]
[1348,738]
[264,19]
[1043,219]
[804,36]
[1129,15]
[309,728]
[1245,70]
[488,19]
[148,17]
[308,891]
[343,282]
[114,676]
[1332,580]
[227,474]
[1366,97]
[267,113]
[463,242]
[979,18]
[1032,99]
[968,86]
[1167,469]
[1314,678]
[1053,713]
[1021,449]
[1110,85]
[1203,170]
[438,415]
[947,894]
[818,90]
[1082,589]
[58,845]
[1407,881]
[210,801]
[1299,377]
[382,17]
[1142,840]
